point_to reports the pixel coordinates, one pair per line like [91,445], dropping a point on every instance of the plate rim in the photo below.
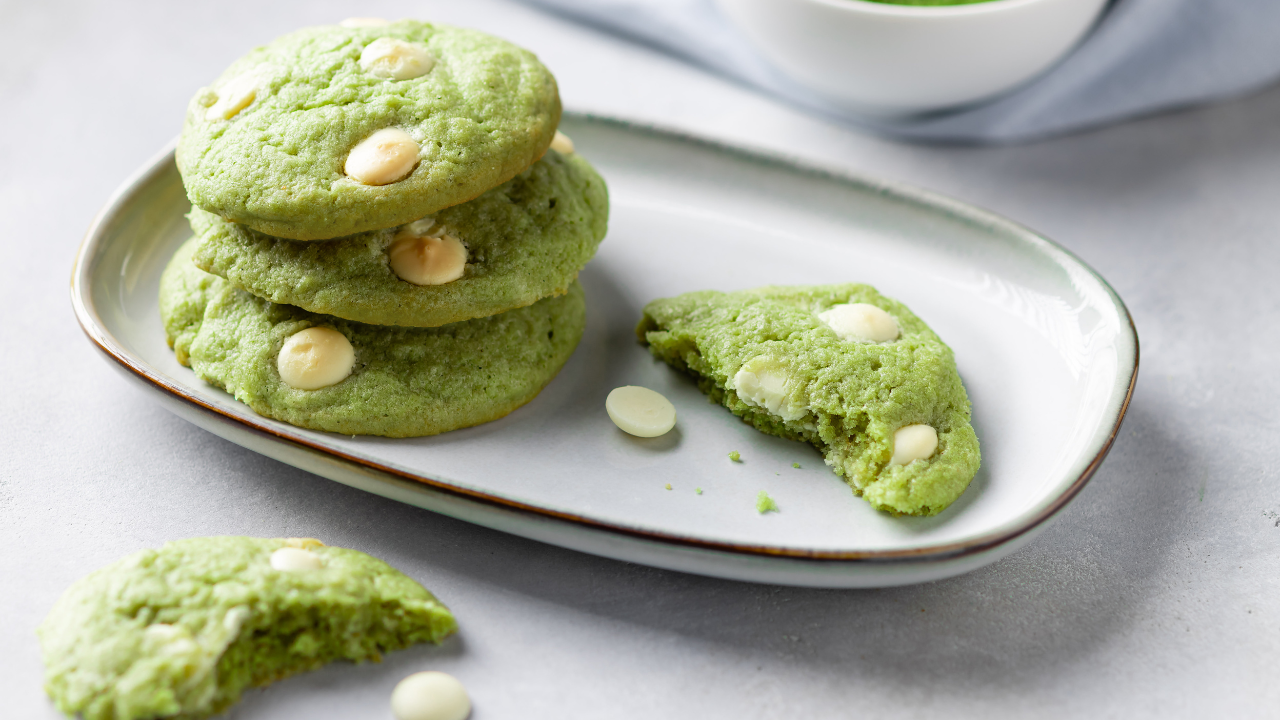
[97,333]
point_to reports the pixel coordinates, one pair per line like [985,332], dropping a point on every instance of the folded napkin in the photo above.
[1143,56]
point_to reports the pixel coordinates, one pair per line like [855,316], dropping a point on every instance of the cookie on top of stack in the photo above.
[387,229]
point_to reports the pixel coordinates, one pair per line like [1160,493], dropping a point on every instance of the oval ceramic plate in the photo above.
[1047,350]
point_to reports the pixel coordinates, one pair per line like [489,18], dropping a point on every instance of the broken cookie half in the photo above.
[184,630]
[842,367]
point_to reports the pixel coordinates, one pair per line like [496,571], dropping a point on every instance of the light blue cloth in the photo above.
[1143,56]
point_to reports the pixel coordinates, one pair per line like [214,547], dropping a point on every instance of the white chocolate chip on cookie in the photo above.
[426,256]
[395,59]
[314,358]
[235,95]
[425,227]
[382,158]
[562,144]
[860,322]
[913,442]
[359,22]
[291,559]
[430,696]
[640,411]
[762,382]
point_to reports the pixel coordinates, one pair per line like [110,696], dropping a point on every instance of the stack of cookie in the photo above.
[388,230]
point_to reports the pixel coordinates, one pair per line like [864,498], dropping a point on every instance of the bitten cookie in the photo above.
[184,630]
[331,131]
[520,242]
[842,367]
[326,373]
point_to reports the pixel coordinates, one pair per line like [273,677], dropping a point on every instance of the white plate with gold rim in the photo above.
[1047,351]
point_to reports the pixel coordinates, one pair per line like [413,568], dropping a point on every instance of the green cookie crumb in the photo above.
[668,486]
[795,465]
[697,491]
[765,504]
[735,456]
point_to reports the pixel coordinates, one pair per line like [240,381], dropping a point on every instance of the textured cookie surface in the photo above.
[406,381]
[847,398]
[184,630]
[484,111]
[526,240]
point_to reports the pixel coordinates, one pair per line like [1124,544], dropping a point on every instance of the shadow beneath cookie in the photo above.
[1072,590]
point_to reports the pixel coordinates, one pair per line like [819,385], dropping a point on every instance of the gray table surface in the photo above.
[1156,594]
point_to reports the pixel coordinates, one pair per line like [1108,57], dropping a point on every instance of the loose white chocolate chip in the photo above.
[359,22]
[913,442]
[640,411]
[314,358]
[860,322]
[427,260]
[382,158]
[562,144]
[394,59]
[430,695]
[763,383]
[235,95]
[291,559]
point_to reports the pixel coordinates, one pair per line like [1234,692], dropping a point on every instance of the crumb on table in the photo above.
[765,504]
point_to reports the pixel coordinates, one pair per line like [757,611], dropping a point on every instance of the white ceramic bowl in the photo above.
[899,59]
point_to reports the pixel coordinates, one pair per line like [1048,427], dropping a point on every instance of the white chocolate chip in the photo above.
[426,227]
[171,640]
[394,59]
[913,442]
[860,322]
[235,619]
[562,144]
[762,382]
[314,358]
[235,95]
[430,696]
[382,158]
[640,411]
[426,259]
[164,632]
[359,22]
[291,559]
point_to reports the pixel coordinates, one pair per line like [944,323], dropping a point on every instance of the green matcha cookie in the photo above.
[524,240]
[839,366]
[278,141]
[394,381]
[184,630]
